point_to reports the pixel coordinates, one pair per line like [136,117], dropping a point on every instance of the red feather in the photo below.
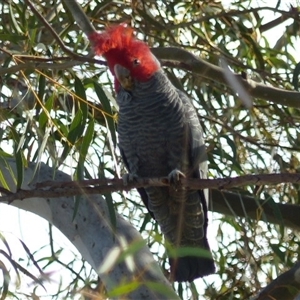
[116,37]
[118,45]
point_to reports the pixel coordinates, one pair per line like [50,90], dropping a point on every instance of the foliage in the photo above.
[57,106]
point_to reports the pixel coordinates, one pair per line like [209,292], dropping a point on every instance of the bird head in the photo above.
[128,58]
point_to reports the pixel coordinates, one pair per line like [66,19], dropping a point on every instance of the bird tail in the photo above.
[188,268]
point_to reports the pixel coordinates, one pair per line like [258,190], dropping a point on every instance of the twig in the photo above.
[44,66]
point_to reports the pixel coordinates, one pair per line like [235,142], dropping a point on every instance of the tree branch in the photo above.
[246,206]
[286,286]
[93,235]
[190,62]
[100,186]
[224,202]
[187,61]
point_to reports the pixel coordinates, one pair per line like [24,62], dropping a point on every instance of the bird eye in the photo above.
[136,62]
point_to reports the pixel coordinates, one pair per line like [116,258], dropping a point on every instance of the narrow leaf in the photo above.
[44,115]
[107,108]
[295,80]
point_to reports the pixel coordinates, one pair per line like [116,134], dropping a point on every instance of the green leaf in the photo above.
[76,130]
[276,249]
[79,88]
[162,289]
[276,211]
[15,38]
[296,73]
[86,142]
[87,139]
[188,251]
[42,85]
[111,211]
[80,92]
[84,146]
[146,220]
[44,115]
[3,181]
[20,168]
[62,127]
[6,279]
[15,23]
[123,289]
[106,108]
[18,157]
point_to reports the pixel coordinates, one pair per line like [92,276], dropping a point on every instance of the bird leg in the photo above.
[174,179]
[129,178]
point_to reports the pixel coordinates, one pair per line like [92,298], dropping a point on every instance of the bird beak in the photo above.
[124,77]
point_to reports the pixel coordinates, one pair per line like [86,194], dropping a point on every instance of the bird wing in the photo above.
[141,191]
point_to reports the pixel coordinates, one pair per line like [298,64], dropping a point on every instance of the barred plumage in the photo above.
[159,131]
[160,135]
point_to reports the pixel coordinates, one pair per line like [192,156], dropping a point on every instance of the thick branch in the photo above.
[233,204]
[286,286]
[190,62]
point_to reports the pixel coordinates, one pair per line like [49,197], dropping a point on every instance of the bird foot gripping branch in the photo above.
[160,134]
[128,178]
[174,179]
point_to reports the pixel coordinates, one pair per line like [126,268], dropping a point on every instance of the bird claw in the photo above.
[174,179]
[128,178]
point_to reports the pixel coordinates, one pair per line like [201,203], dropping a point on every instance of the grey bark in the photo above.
[91,233]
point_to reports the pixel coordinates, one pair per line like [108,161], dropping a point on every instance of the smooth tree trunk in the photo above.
[92,234]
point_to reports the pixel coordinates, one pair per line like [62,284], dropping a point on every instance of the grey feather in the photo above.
[159,132]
